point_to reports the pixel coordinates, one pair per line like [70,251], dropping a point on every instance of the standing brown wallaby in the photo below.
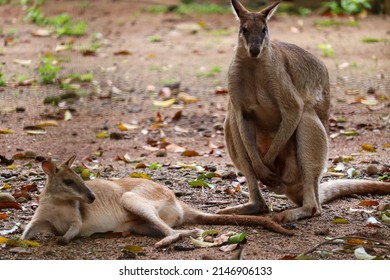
[276,125]
[70,207]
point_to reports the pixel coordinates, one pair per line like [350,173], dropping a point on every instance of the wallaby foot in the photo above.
[245,209]
[62,241]
[292,215]
[177,235]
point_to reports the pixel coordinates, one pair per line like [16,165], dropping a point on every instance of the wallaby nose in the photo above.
[91,197]
[254,51]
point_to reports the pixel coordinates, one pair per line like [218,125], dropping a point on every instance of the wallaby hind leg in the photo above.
[312,155]
[145,210]
[239,156]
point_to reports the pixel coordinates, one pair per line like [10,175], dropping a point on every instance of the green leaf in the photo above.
[304,257]
[132,249]
[201,243]
[210,232]
[350,133]
[237,238]
[201,183]
[101,135]
[140,175]
[339,220]
[155,166]
[385,218]
[208,175]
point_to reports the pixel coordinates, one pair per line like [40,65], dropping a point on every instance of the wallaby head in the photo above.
[65,184]
[253,33]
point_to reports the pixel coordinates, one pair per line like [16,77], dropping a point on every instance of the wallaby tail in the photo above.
[193,216]
[331,190]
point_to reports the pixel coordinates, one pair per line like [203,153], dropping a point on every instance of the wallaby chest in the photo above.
[60,214]
[253,90]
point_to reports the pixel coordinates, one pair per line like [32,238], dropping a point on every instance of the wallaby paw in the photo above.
[244,209]
[62,241]
[168,240]
[283,218]
[292,215]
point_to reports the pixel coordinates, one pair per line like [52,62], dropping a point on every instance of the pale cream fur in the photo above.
[70,207]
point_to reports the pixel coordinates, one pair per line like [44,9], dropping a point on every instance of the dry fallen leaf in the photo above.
[187,98]
[175,148]
[368,203]
[23,62]
[165,103]
[126,127]
[42,32]
[190,153]
[122,52]
[368,148]
[68,115]
[3,216]
[9,204]
[47,123]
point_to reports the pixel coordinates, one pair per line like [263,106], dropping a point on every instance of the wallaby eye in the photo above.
[244,30]
[265,29]
[68,182]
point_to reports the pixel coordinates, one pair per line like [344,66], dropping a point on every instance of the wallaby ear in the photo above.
[270,10]
[70,161]
[238,8]
[49,167]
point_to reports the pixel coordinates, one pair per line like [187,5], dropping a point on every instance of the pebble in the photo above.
[230,175]
[161,153]
[384,207]
[322,231]
[372,170]
[6,197]
[22,199]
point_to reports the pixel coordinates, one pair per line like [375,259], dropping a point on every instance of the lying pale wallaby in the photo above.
[70,207]
[276,125]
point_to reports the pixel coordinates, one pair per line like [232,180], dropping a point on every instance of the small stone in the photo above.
[210,168]
[116,136]
[383,207]
[6,197]
[218,127]
[322,231]
[372,170]
[20,109]
[30,154]
[22,200]
[161,153]
[371,90]
[230,175]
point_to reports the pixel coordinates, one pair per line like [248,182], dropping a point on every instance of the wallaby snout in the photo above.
[91,197]
[254,51]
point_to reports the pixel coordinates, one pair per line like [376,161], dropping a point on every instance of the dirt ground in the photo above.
[129,72]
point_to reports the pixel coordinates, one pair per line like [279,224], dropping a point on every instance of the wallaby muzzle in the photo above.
[254,51]
[91,197]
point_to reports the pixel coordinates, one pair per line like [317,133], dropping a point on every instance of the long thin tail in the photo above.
[331,190]
[194,216]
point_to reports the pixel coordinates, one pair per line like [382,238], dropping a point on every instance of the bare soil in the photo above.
[122,92]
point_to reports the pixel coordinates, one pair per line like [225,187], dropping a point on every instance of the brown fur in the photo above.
[277,119]
[71,207]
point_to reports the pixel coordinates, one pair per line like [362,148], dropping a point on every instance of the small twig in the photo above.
[380,243]
[215,203]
